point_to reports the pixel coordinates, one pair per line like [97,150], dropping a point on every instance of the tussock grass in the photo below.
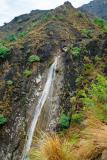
[51,148]
[92,141]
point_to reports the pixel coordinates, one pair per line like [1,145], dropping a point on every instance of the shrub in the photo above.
[77,117]
[3,120]
[80,14]
[27,73]
[75,51]
[86,33]
[105,28]
[12,38]
[4,52]
[100,22]
[64,121]
[9,82]
[23,34]
[95,99]
[34,58]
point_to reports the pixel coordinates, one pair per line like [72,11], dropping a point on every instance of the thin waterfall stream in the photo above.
[38,108]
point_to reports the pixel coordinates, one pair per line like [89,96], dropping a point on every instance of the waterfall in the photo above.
[38,108]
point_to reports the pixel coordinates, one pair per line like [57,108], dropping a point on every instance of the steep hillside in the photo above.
[53,72]
[97,8]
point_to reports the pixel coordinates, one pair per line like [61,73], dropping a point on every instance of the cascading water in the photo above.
[38,108]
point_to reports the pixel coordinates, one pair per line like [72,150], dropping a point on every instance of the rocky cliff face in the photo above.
[45,35]
[97,8]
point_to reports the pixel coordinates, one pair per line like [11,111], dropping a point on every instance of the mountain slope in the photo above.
[28,47]
[97,8]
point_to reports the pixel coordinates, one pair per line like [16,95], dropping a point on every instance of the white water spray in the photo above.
[38,108]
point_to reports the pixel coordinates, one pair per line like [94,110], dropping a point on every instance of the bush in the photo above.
[3,120]
[100,22]
[64,121]
[86,33]
[23,34]
[12,38]
[27,73]
[4,52]
[75,51]
[80,14]
[34,58]
[9,82]
[77,117]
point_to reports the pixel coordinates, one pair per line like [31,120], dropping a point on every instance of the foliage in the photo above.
[46,17]
[105,28]
[11,38]
[27,73]
[100,22]
[4,52]
[23,34]
[80,14]
[9,82]
[96,98]
[3,120]
[64,121]
[75,51]
[77,117]
[60,17]
[86,33]
[34,58]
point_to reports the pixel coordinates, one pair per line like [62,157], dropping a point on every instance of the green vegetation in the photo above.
[9,82]
[77,117]
[74,138]
[4,52]
[80,14]
[23,34]
[34,58]
[93,97]
[27,73]
[100,22]
[75,51]
[60,17]
[11,38]
[64,121]
[3,120]
[86,33]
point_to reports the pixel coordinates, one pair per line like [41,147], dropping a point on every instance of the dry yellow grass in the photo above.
[92,141]
[51,148]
